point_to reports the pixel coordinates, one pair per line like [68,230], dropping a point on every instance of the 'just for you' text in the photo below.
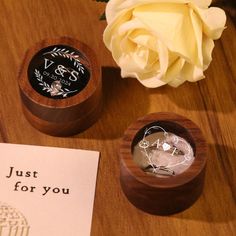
[20,186]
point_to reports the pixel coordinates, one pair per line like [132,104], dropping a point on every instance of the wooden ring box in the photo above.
[60,86]
[163,196]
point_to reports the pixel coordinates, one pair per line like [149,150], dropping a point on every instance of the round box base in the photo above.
[159,201]
[65,128]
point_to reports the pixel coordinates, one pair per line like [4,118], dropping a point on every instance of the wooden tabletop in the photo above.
[210,103]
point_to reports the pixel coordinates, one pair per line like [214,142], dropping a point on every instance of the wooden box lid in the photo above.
[60,84]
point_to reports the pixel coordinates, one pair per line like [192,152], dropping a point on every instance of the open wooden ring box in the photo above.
[168,195]
[60,86]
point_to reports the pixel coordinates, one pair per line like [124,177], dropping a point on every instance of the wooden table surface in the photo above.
[210,103]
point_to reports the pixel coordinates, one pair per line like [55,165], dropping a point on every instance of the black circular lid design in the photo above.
[59,71]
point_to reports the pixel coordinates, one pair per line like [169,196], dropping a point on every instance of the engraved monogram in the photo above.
[164,152]
[57,72]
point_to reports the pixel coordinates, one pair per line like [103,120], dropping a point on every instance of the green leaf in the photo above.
[103,16]
[102,0]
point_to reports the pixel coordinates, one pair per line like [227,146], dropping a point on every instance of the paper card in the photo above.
[46,191]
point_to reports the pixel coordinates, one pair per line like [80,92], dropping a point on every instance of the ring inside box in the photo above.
[157,185]
[163,149]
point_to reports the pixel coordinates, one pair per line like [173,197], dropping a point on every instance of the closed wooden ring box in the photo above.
[162,196]
[60,86]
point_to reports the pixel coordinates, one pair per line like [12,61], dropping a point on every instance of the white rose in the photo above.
[162,41]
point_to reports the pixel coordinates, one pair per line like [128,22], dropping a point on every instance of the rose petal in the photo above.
[115,7]
[197,27]
[174,70]
[189,72]
[144,38]
[178,34]
[153,82]
[214,20]
[139,62]
[207,48]
[192,73]
[202,3]
[149,79]
[163,58]
[177,82]
[112,29]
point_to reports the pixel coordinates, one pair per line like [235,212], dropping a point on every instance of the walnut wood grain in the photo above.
[210,104]
[63,128]
[62,117]
[163,196]
[3,133]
